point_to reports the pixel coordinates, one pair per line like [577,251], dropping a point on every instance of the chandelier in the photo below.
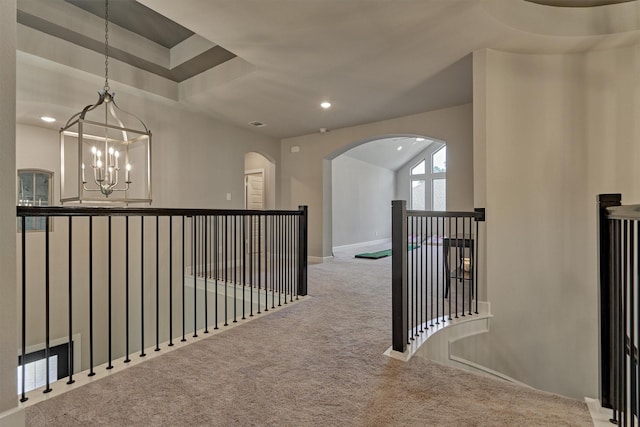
[99,155]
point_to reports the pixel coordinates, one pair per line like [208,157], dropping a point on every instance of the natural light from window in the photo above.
[35,374]
[429,182]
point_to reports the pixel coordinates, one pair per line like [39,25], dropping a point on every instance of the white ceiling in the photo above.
[373,59]
[390,153]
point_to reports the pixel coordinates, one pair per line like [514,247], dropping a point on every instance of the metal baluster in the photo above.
[448,278]
[273,262]
[142,353]
[474,263]
[292,259]
[226,274]
[455,268]
[461,263]
[433,252]
[279,260]
[437,269]
[157,283]
[625,283]
[109,291]
[266,262]
[70,344]
[195,274]
[91,373]
[631,317]
[244,268]
[412,283]
[615,262]
[235,268]
[23,221]
[205,221]
[182,274]
[126,289]
[170,281]
[215,263]
[47,288]
[259,264]
[251,265]
[635,321]
[420,249]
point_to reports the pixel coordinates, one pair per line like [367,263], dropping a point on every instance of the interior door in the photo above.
[254,191]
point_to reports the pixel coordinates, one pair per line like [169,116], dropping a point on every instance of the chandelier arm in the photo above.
[131,114]
[115,116]
[85,110]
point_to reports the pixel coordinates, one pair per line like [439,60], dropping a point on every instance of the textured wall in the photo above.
[559,129]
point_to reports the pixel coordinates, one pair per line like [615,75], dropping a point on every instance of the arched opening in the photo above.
[365,177]
[259,181]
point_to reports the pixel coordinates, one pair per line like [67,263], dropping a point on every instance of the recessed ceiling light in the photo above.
[325,105]
[419,139]
[400,148]
[47,119]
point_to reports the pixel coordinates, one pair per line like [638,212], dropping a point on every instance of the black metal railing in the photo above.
[434,269]
[130,279]
[619,307]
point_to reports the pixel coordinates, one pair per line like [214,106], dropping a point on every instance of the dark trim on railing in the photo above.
[605,298]
[47,304]
[70,343]
[425,273]
[400,325]
[91,373]
[303,250]
[23,397]
[109,366]
[66,211]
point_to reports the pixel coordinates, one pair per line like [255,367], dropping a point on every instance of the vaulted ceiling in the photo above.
[274,61]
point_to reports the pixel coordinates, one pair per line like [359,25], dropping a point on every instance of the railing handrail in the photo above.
[66,211]
[630,212]
[478,214]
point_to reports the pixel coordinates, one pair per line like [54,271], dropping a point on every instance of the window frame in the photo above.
[417,177]
[21,201]
[429,177]
[433,176]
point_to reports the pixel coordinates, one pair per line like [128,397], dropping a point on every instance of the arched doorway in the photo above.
[369,174]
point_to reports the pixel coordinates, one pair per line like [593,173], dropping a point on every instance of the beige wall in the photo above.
[306,177]
[361,200]
[559,129]
[8,313]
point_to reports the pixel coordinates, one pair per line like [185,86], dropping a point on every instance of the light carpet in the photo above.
[316,363]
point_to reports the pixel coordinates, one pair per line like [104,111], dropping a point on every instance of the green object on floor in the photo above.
[382,254]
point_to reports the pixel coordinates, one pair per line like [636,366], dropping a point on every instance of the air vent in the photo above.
[257,124]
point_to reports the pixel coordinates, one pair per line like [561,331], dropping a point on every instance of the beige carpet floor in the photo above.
[316,363]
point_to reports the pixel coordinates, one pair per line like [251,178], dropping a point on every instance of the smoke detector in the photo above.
[257,124]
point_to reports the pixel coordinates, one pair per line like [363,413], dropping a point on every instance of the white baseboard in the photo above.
[358,245]
[599,415]
[318,260]
[12,418]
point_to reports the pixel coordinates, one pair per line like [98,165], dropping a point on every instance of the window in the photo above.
[439,180]
[429,182]
[34,189]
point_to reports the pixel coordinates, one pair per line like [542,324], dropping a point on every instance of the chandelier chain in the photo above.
[106,45]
